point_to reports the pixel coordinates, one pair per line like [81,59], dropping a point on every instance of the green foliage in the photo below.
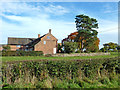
[83,22]
[59,48]
[73,85]
[70,47]
[78,51]
[69,74]
[44,84]
[91,47]
[62,85]
[105,80]
[86,33]
[6,48]
[110,47]
[102,50]
[22,53]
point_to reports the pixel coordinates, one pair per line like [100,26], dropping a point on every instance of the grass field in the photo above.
[22,58]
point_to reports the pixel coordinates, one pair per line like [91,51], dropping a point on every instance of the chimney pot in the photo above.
[49,30]
[38,35]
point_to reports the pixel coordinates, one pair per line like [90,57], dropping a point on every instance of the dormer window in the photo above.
[48,37]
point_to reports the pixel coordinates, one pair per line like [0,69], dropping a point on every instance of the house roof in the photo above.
[26,41]
[35,41]
[19,41]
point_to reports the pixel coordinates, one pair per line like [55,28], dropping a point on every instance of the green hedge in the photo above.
[71,71]
[22,53]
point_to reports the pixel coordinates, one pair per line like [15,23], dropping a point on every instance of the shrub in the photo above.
[22,53]
[78,51]
[92,48]
[62,84]
[73,85]
[105,80]
[44,84]
[59,48]
[6,48]
[70,47]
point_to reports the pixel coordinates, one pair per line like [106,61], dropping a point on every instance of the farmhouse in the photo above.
[46,43]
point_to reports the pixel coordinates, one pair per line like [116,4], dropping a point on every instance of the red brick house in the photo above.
[46,43]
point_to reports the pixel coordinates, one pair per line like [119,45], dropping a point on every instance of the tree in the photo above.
[102,49]
[118,48]
[86,33]
[6,48]
[70,47]
[92,47]
[59,48]
[110,46]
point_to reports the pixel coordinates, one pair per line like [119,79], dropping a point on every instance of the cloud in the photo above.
[109,9]
[31,27]
[107,32]
[56,10]
[17,18]
[107,26]
[31,9]
[32,19]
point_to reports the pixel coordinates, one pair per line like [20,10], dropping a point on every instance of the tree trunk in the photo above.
[81,45]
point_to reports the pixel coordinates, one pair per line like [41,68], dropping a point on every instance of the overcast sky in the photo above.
[27,20]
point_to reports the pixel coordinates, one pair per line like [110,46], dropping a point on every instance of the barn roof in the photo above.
[19,41]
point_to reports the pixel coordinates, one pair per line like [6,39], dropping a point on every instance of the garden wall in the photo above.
[80,54]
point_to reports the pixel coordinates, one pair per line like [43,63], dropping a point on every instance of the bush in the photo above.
[70,47]
[73,85]
[22,53]
[62,85]
[92,48]
[6,48]
[78,51]
[59,48]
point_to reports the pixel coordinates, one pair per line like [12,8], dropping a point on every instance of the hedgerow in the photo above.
[22,53]
[56,74]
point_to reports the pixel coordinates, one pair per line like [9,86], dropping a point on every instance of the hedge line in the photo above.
[22,53]
[64,70]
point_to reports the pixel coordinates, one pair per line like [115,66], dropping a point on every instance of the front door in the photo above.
[54,50]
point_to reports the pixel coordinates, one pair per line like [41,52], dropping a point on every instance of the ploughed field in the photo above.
[61,72]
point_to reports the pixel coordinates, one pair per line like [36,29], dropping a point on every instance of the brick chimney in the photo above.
[38,35]
[49,30]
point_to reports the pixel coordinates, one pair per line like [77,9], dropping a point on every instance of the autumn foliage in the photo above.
[73,36]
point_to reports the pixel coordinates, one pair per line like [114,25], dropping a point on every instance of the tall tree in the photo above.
[86,33]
